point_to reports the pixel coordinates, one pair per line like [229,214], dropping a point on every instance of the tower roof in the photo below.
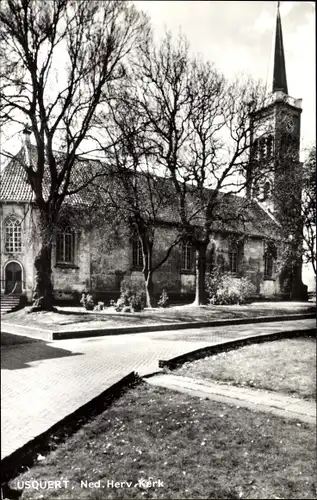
[279,72]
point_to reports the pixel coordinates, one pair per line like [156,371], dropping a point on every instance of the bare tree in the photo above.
[57,59]
[200,128]
[134,186]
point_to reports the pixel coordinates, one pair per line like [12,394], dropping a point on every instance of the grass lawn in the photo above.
[287,366]
[196,448]
[78,317]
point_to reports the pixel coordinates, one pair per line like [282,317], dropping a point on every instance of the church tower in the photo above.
[276,131]
[275,164]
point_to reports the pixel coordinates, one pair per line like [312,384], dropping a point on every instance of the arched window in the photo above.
[269,146]
[233,259]
[13,235]
[137,256]
[187,256]
[65,246]
[262,144]
[255,150]
[269,256]
[268,265]
[235,254]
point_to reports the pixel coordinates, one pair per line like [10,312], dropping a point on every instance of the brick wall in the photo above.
[104,259]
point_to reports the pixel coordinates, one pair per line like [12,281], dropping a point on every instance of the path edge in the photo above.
[227,345]
[50,335]
[25,457]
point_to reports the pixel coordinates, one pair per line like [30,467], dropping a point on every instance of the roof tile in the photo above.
[255,221]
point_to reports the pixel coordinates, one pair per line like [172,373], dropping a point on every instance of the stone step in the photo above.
[9,303]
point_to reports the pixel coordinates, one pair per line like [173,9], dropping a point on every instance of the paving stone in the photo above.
[43,382]
[255,399]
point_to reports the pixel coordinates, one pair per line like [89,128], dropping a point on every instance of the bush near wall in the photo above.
[131,299]
[223,288]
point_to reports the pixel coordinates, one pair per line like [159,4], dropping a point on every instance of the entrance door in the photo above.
[13,275]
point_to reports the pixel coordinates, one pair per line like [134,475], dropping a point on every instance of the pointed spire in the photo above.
[279,73]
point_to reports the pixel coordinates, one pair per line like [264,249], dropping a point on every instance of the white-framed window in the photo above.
[187,256]
[65,246]
[269,257]
[13,235]
[235,253]
[137,255]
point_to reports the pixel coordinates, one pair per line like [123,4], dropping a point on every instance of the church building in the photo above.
[83,260]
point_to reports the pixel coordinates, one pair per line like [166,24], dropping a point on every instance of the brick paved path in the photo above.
[254,399]
[43,382]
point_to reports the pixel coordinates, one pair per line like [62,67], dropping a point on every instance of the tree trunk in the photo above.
[43,280]
[147,249]
[149,290]
[200,296]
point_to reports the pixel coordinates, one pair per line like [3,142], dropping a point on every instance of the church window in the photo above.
[13,235]
[137,255]
[268,266]
[256,150]
[262,148]
[235,252]
[269,146]
[233,260]
[269,256]
[187,256]
[65,246]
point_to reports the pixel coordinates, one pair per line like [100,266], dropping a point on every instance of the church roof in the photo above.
[232,214]
[235,214]
[15,187]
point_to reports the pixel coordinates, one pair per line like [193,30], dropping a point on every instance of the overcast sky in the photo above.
[239,36]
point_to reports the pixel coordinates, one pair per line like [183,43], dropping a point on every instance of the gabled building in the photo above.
[86,259]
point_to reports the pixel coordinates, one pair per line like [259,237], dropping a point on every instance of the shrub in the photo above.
[137,301]
[87,301]
[131,297]
[99,307]
[163,301]
[224,289]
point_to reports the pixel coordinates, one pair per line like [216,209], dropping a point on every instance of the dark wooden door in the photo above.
[13,275]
